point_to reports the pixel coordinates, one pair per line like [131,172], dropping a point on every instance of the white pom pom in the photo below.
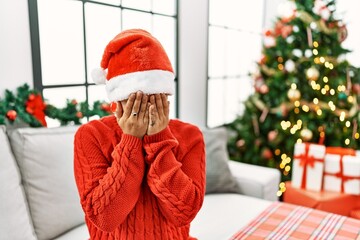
[98,75]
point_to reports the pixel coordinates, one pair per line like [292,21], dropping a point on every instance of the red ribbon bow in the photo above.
[306,160]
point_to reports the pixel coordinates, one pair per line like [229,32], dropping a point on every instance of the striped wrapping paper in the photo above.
[286,221]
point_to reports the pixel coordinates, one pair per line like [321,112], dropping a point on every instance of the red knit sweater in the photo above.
[139,189]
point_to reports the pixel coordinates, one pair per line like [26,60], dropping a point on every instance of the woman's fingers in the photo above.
[159,104]
[152,115]
[166,104]
[137,103]
[152,99]
[119,110]
[143,107]
[146,116]
[129,105]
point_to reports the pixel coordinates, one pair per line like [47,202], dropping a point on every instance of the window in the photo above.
[348,12]
[69,36]
[234,46]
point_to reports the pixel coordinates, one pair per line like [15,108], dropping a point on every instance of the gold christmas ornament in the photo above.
[293,94]
[312,74]
[306,134]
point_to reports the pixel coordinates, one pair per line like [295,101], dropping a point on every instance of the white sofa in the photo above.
[39,199]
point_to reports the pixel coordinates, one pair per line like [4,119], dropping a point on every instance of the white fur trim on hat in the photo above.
[149,82]
[99,75]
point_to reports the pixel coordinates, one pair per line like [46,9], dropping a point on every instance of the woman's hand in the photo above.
[133,117]
[158,114]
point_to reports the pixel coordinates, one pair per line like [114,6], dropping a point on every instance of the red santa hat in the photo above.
[134,61]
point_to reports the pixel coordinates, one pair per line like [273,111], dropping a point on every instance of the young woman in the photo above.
[139,174]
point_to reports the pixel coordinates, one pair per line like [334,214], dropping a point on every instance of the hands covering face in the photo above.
[142,114]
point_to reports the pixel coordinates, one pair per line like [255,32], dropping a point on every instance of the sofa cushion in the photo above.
[218,175]
[15,221]
[45,159]
[223,215]
[79,232]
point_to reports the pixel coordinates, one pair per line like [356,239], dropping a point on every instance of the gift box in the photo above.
[342,170]
[339,203]
[355,213]
[308,166]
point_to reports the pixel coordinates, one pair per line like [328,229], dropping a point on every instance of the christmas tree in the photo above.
[305,89]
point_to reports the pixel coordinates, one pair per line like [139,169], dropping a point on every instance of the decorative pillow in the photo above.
[218,175]
[45,158]
[15,221]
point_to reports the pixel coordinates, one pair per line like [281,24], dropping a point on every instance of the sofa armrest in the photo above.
[256,181]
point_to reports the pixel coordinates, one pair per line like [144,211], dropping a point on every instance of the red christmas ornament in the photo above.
[31,97]
[267,154]
[79,114]
[11,115]
[356,88]
[74,102]
[343,33]
[272,135]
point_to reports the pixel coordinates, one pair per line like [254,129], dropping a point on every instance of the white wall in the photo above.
[15,47]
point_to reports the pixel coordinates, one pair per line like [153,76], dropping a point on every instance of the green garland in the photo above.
[28,106]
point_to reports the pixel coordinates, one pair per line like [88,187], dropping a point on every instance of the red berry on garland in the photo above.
[11,115]
[74,102]
[79,115]
[31,97]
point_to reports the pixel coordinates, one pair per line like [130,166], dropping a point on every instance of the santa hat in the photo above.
[134,61]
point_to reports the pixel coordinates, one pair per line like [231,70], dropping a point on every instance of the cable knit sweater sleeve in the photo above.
[177,172]
[109,188]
